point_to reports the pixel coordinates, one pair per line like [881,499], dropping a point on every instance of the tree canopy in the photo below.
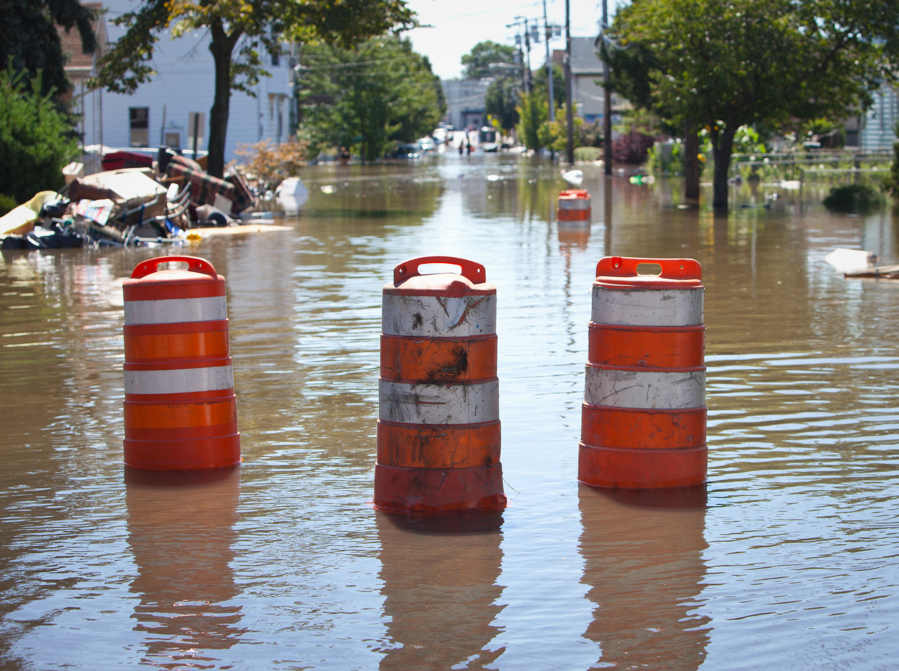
[487,59]
[723,64]
[28,36]
[533,112]
[36,138]
[541,84]
[371,98]
[501,101]
[240,30]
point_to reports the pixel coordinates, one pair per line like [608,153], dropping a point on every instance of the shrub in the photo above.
[587,153]
[270,164]
[858,198]
[7,204]
[666,158]
[36,138]
[631,148]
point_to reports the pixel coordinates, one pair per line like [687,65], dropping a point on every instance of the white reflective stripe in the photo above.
[438,315]
[574,204]
[648,307]
[439,403]
[175,310]
[178,381]
[644,389]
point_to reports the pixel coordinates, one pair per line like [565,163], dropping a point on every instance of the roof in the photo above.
[79,64]
[584,60]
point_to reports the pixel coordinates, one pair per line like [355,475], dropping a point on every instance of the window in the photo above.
[140,125]
[173,139]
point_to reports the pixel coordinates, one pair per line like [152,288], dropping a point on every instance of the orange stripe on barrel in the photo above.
[443,446]
[648,346]
[175,290]
[430,490]
[180,415]
[573,215]
[146,348]
[642,469]
[438,359]
[180,454]
[181,433]
[647,429]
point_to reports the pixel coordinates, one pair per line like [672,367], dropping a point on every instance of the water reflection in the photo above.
[181,531]
[440,590]
[374,194]
[642,554]
[573,238]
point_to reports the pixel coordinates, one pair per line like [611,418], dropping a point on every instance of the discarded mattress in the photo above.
[21,219]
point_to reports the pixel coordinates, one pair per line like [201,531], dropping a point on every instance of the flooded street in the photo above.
[787,559]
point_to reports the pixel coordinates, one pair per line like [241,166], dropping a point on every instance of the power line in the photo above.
[488,11]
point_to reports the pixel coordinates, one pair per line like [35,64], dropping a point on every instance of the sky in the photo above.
[458,25]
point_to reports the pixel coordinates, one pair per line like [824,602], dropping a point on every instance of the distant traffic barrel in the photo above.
[438,427]
[574,206]
[180,408]
[644,415]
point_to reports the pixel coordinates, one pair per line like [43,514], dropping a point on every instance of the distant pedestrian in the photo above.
[461,146]
[344,156]
[468,147]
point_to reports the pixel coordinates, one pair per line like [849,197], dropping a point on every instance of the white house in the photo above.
[465,102]
[161,111]
[877,127]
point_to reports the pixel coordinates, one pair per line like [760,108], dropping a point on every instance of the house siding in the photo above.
[185,83]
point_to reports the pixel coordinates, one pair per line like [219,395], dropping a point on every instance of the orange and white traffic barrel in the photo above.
[438,427]
[574,208]
[180,408]
[644,414]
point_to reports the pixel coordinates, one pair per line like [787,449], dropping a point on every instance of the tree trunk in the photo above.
[722,149]
[691,162]
[221,46]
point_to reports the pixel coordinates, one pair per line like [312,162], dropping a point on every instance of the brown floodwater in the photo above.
[787,558]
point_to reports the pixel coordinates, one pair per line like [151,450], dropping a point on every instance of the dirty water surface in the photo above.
[786,559]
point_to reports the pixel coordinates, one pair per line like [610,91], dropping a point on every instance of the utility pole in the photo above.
[524,74]
[528,84]
[607,96]
[527,46]
[569,112]
[549,66]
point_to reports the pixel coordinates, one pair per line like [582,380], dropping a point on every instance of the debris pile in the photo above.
[129,206]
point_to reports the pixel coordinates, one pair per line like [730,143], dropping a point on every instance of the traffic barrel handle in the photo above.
[408,269]
[194,264]
[622,266]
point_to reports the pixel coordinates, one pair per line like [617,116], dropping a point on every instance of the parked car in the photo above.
[407,151]
[426,144]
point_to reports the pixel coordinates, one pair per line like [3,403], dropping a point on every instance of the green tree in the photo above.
[723,64]
[541,85]
[36,138]
[488,59]
[372,97]
[533,111]
[239,30]
[554,134]
[501,101]
[29,37]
